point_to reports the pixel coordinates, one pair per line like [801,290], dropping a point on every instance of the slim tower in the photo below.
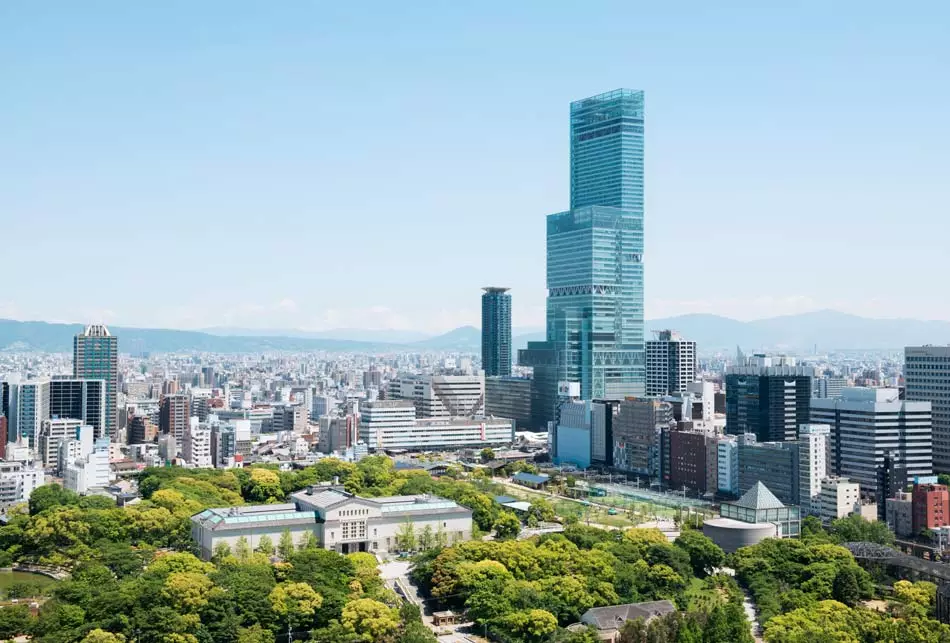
[96,357]
[496,332]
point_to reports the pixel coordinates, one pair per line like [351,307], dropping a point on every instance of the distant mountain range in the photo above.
[826,330]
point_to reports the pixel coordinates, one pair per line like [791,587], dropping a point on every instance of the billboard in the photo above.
[569,389]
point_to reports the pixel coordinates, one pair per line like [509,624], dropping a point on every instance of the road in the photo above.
[748,605]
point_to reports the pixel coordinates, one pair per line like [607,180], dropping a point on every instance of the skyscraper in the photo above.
[496,331]
[78,399]
[671,363]
[769,400]
[96,357]
[927,378]
[594,259]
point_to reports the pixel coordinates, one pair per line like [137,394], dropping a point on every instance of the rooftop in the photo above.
[758,497]
[612,617]
[533,478]
[234,517]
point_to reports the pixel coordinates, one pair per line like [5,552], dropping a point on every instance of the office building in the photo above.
[671,363]
[174,415]
[340,433]
[322,405]
[727,465]
[775,464]
[594,327]
[931,507]
[573,435]
[828,386]
[52,433]
[391,424]
[4,437]
[340,521]
[142,429]
[496,332]
[290,417]
[839,498]
[813,453]
[899,513]
[96,357]
[693,461]
[927,379]
[196,447]
[510,397]
[32,408]
[79,399]
[223,446]
[868,424]
[769,400]
[18,480]
[441,396]
[637,431]
[90,471]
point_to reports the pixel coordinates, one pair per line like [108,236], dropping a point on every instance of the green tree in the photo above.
[406,536]
[309,541]
[101,636]
[285,546]
[727,624]
[487,454]
[426,538]
[242,549]
[531,626]
[295,603]
[221,551]
[845,588]
[14,621]
[265,545]
[704,554]
[855,528]
[370,620]
[263,486]
[542,510]
[254,634]
[51,495]
[507,526]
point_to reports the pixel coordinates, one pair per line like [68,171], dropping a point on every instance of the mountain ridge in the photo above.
[826,329]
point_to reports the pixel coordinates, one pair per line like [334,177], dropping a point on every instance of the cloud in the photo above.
[287,304]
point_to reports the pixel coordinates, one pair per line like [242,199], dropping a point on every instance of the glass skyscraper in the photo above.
[595,260]
[496,332]
[96,357]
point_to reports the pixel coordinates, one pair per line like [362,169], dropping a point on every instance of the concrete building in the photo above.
[931,507]
[839,498]
[52,434]
[142,429]
[340,521]
[496,332]
[727,465]
[391,424]
[79,399]
[757,515]
[671,364]
[96,357]
[927,379]
[167,447]
[813,453]
[690,463]
[774,464]
[290,417]
[196,447]
[899,513]
[18,480]
[637,431]
[84,461]
[174,416]
[868,424]
[573,441]
[223,446]
[769,400]
[32,408]
[828,386]
[340,433]
[510,397]
[442,396]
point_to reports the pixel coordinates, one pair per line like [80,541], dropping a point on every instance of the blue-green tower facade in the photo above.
[594,328]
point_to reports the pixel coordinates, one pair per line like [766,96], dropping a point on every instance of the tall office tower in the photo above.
[927,379]
[79,399]
[594,260]
[496,332]
[32,408]
[873,429]
[3,437]
[671,363]
[813,456]
[174,415]
[437,396]
[96,357]
[636,435]
[771,401]
[510,397]
[774,464]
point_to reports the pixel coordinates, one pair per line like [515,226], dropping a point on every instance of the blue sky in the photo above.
[322,165]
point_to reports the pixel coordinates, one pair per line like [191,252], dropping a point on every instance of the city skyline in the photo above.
[259,145]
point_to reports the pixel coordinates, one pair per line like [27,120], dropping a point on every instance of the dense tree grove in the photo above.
[525,590]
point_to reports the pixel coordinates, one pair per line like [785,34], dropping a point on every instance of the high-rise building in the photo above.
[774,464]
[440,396]
[637,431]
[196,447]
[727,465]
[769,400]
[496,332]
[52,433]
[927,379]
[828,386]
[594,328]
[141,429]
[223,445]
[3,437]
[96,357]
[813,454]
[869,425]
[839,498]
[671,363]
[174,416]
[32,408]
[510,397]
[340,433]
[18,480]
[79,399]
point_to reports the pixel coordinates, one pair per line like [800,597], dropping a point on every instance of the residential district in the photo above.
[599,485]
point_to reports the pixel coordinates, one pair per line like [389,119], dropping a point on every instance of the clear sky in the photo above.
[358,164]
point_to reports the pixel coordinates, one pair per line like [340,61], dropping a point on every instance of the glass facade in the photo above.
[96,357]
[595,259]
[496,332]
